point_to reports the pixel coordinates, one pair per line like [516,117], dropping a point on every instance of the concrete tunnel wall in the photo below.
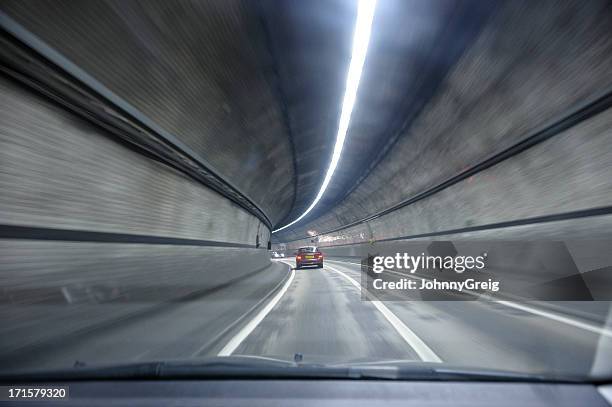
[201,71]
[58,172]
[531,65]
[570,172]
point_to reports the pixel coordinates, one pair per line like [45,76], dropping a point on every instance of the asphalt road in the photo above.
[322,317]
[494,335]
[319,313]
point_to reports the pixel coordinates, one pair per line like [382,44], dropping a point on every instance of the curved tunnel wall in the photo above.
[531,67]
[202,71]
[101,224]
[566,175]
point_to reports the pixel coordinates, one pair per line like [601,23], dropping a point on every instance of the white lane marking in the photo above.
[559,318]
[606,392]
[420,347]
[233,344]
[511,304]
[237,321]
[342,261]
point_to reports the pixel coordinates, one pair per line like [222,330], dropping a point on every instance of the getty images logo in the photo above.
[409,263]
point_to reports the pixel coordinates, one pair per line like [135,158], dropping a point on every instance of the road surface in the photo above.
[319,313]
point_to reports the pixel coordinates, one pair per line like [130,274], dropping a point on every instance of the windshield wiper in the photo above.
[408,369]
[254,367]
[205,367]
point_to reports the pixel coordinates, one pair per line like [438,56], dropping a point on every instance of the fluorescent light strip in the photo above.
[361,38]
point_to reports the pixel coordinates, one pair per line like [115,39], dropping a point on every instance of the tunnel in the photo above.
[153,155]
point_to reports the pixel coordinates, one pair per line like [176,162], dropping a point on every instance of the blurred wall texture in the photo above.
[528,75]
[80,213]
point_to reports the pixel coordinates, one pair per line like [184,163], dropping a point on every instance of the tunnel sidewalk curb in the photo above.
[30,349]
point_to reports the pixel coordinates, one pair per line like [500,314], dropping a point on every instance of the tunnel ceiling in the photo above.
[255,88]
[413,46]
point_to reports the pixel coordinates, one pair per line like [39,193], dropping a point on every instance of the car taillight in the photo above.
[299,257]
[319,256]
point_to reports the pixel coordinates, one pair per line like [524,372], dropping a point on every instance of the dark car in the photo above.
[308,256]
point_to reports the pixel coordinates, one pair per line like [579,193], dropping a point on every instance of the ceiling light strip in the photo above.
[361,38]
